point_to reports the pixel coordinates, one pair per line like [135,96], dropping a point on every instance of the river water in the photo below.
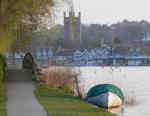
[133,81]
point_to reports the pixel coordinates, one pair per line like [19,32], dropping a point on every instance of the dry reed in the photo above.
[59,77]
[130,100]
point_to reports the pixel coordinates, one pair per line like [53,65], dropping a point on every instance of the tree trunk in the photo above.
[77,87]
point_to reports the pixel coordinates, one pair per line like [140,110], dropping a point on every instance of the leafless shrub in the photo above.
[60,77]
[130,100]
[83,93]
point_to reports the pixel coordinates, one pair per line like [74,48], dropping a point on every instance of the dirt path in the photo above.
[21,99]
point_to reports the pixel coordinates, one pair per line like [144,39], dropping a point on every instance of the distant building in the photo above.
[72,28]
[64,56]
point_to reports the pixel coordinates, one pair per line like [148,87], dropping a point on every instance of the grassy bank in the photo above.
[3,109]
[58,102]
[3,99]
[3,75]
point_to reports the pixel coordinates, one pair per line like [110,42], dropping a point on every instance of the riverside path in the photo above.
[20,92]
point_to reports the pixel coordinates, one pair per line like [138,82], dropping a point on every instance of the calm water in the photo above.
[134,82]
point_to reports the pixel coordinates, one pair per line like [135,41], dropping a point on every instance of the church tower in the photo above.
[72,28]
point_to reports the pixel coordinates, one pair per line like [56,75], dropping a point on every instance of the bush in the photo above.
[3,69]
[3,75]
[28,61]
[1,72]
[62,78]
[2,93]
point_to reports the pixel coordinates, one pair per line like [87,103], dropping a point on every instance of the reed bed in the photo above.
[59,77]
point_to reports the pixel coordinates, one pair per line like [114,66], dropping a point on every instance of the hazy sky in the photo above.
[112,11]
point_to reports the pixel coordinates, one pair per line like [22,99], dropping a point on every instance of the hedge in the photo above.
[3,77]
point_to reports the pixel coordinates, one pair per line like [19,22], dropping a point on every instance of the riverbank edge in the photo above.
[3,100]
[3,109]
[3,85]
[58,102]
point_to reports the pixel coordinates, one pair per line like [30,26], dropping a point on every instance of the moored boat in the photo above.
[105,95]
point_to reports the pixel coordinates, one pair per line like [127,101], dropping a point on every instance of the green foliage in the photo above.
[22,40]
[3,97]
[61,104]
[2,78]
[3,109]
[1,72]
[3,67]
[2,93]
[16,12]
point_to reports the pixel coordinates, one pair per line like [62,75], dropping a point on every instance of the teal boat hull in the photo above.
[105,95]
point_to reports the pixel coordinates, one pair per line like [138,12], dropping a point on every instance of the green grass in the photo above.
[3,100]
[3,78]
[60,103]
[3,109]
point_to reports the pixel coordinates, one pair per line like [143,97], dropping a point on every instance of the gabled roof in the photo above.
[64,53]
